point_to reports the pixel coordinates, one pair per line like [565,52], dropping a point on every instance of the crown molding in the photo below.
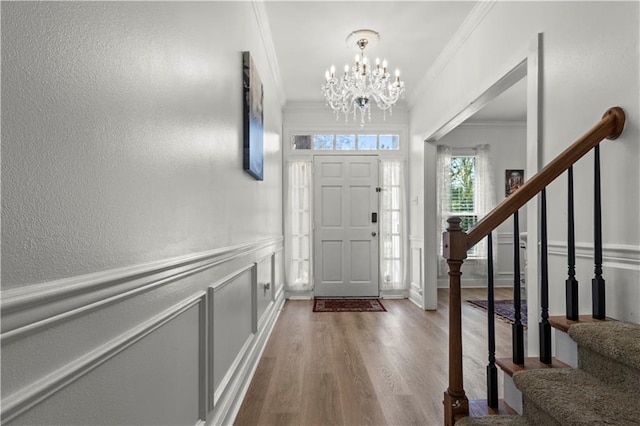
[467,27]
[267,42]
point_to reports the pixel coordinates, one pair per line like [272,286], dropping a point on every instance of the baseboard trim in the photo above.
[416,298]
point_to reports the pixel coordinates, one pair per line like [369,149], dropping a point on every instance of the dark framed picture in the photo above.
[513,179]
[253,161]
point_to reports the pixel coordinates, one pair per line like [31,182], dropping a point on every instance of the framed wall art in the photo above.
[253,124]
[513,179]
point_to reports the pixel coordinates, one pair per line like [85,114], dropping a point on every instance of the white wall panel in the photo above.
[232,324]
[278,273]
[134,378]
[263,288]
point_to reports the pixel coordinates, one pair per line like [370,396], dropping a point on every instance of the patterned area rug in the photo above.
[503,309]
[348,305]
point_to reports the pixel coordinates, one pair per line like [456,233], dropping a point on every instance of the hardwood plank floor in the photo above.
[367,368]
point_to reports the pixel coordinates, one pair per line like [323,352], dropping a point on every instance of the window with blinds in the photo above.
[462,200]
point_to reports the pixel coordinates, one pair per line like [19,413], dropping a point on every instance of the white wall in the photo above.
[123,128]
[318,116]
[507,143]
[589,63]
[128,223]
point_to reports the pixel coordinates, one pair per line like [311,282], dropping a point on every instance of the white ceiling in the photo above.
[309,37]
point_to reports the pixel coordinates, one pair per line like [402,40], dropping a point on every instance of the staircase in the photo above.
[601,386]
[601,391]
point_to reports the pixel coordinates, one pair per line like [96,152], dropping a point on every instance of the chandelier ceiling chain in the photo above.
[354,90]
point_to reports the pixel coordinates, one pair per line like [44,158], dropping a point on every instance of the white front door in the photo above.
[346,227]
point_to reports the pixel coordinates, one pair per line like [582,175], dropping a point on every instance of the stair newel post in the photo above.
[571,282]
[545,327]
[517,329]
[492,371]
[454,244]
[597,283]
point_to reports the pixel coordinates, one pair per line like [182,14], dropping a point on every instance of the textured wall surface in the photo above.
[122,137]
[590,62]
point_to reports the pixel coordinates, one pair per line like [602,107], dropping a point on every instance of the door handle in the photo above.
[373,234]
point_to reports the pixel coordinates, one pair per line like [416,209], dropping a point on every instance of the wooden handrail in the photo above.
[609,127]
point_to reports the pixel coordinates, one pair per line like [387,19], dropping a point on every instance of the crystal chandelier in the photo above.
[362,83]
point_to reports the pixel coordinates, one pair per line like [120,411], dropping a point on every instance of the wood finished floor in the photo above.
[367,368]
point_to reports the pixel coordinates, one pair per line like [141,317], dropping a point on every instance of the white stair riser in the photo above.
[512,396]
[566,348]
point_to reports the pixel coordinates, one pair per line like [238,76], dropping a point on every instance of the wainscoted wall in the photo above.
[135,248]
[168,343]
[620,269]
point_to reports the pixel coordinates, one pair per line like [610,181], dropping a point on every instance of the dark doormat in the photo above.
[348,305]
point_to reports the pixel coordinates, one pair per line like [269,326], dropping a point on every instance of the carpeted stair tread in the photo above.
[494,420]
[573,397]
[614,339]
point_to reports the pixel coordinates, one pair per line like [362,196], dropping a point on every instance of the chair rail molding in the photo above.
[614,255]
[29,308]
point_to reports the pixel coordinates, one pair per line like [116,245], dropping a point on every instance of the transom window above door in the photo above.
[346,142]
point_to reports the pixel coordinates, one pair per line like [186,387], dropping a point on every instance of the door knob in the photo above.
[373,234]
